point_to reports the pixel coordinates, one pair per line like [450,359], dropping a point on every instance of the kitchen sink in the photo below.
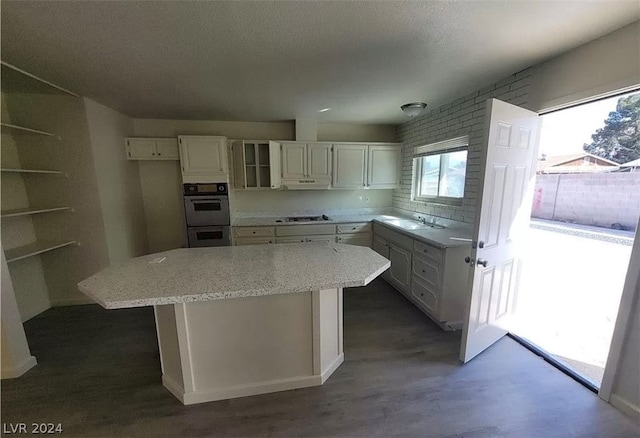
[409,224]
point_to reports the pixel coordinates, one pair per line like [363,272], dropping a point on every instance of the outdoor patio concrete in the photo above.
[570,292]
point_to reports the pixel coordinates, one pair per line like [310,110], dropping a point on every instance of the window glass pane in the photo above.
[454,168]
[430,175]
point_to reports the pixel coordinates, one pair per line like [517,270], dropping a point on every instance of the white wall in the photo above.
[596,68]
[161,180]
[118,183]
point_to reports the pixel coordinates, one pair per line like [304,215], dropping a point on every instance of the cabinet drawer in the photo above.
[428,270]
[254,231]
[427,250]
[364,227]
[362,239]
[305,230]
[301,239]
[328,239]
[256,241]
[426,295]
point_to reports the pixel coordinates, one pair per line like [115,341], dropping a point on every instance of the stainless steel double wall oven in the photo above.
[206,209]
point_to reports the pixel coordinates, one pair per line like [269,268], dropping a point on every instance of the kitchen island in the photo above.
[246,320]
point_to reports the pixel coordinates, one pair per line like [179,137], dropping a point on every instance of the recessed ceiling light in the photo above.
[324,110]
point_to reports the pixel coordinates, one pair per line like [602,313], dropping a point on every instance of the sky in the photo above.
[565,132]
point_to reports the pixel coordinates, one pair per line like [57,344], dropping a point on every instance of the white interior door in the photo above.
[501,225]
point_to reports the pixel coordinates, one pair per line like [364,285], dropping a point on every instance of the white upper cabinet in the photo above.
[203,158]
[294,160]
[319,160]
[300,160]
[349,166]
[167,149]
[384,167]
[152,148]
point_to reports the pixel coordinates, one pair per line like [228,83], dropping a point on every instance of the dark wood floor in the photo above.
[98,374]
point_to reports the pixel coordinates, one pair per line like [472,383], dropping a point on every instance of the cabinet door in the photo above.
[381,246]
[141,148]
[294,160]
[349,166]
[400,270]
[319,161]
[203,155]
[427,296]
[275,160]
[384,167]
[167,149]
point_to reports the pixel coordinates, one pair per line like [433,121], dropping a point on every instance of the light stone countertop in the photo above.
[452,236]
[205,274]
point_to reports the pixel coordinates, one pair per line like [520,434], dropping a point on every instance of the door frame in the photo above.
[621,329]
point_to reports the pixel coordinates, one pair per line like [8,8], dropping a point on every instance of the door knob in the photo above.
[482,262]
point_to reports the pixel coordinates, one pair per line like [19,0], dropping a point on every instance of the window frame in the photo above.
[448,146]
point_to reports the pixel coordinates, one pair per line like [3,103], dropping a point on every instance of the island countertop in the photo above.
[205,274]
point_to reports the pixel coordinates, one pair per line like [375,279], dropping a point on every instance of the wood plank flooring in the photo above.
[98,374]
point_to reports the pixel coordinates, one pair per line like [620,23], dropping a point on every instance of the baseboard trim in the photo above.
[14,372]
[331,368]
[191,398]
[625,406]
[173,387]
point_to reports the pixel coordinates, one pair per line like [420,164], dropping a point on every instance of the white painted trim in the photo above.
[13,372]
[623,86]
[331,368]
[340,324]
[625,406]
[315,332]
[155,318]
[190,398]
[173,387]
[441,146]
[184,346]
[621,328]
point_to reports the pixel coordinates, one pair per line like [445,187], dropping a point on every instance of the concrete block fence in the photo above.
[600,199]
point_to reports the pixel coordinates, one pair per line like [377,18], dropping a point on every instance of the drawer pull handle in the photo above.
[253,232]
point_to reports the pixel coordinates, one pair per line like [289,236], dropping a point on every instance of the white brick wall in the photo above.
[463,116]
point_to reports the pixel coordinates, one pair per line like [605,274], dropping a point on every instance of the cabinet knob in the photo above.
[159,154]
[153,153]
[423,271]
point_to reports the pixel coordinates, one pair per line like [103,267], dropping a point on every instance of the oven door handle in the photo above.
[194,201]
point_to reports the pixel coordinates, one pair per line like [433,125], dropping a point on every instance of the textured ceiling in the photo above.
[267,60]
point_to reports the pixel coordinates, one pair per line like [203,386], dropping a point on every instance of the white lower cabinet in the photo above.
[350,233]
[434,279]
[363,239]
[255,241]
[400,271]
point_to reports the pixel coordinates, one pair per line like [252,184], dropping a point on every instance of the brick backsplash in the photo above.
[463,116]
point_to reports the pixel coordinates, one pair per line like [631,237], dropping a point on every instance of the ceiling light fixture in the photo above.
[324,110]
[413,109]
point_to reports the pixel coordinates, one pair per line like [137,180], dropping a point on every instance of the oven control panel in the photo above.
[206,189]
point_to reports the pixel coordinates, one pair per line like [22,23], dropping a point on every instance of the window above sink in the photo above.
[439,171]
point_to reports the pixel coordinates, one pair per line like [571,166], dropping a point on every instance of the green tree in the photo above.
[619,139]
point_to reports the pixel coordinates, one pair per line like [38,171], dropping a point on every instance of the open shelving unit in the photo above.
[43,171]
[33,120]
[25,130]
[28,211]
[35,248]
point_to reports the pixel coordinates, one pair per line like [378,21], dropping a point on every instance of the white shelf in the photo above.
[51,172]
[22,252]
[15,79]
[27,211]
[26,130]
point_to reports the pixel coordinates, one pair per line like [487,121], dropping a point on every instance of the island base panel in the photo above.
[216,350]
